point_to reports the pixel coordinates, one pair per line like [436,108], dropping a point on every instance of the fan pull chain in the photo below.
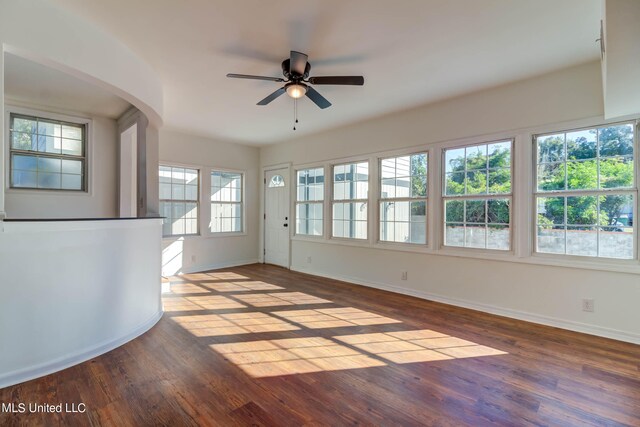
[295,113]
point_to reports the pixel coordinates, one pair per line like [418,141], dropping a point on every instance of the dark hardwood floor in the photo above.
[260,345]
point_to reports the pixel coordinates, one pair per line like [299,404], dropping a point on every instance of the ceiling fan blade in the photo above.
[318,99]
[271,97]
[337,80]
[298,62]
[247,76]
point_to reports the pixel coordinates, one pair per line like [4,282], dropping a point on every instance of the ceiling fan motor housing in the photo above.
[286,66]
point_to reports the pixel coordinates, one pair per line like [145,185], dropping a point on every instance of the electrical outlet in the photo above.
[403,275]
[308,260]
[588,304]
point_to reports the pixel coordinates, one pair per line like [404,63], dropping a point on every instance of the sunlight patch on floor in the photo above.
[293,356]
[187,288]
[417,346]
[212,325]
[253,285]
[280,298]
[210,302]
[334,317]
[222,275]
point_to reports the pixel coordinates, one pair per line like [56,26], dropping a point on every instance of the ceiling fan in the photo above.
[297,81]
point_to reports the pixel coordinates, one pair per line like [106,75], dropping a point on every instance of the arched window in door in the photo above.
[276,181]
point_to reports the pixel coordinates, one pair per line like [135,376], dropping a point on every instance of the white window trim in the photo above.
[510,196]
[207,230]
[522,220]
[379,199]
[322,202]
[368,200]
[205,195]
[199,201]
[535,193]
[80,120]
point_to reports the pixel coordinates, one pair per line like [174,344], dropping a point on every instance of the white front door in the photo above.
[276,220]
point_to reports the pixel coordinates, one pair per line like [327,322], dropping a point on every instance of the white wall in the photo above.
[101,201]
[212,251]
[515,285]
[74,290]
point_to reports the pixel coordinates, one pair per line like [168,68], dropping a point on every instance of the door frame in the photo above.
[263,186]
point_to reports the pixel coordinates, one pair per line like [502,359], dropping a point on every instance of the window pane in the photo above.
[500,181]
[475,211]
[71,147]
[25,163]
[49,180]
[499,155]
[550,148]
[616,242]
[616,140]
[498,237]
[454,183]
[49,128]
[23,141]
[582,175]
[72,132]
[476,182]
[46,164]
[454,160]
[551,176]
[498,211]
[476,157]
[72,166]
[49,144]
[582,241]
[24,125]
[307,215]
[551,239]
[616,172]
[454,235]
[454,210]
[551,210]
[350,220]
[23,179]
[71,182]
[582,210]
[475,236]
[581,145]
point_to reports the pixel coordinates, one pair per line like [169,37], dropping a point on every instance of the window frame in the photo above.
[535,194]
[198,201]
[511,196]
[367,200]
[32,113]
[242,203]
[318,202]
[379,200]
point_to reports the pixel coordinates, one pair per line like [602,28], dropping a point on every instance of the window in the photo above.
[403,199]
[47,154]
[226,202]
[350,193]
[309,201]
[477,196]
[276,181]
[586,192]
[179,200]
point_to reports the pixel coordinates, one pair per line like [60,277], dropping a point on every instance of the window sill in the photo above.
[622,266]
[42,192]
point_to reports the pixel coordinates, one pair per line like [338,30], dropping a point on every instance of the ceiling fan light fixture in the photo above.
[296,90]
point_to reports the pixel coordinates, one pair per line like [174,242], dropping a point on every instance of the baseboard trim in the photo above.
[217,265]
[487,308]
[65,362]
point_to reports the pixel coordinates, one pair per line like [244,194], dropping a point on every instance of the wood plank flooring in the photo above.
[260,345]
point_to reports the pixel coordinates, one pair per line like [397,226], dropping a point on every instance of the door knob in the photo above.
[286,225]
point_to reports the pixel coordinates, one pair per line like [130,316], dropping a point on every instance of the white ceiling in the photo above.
[37,84]
[410,52]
